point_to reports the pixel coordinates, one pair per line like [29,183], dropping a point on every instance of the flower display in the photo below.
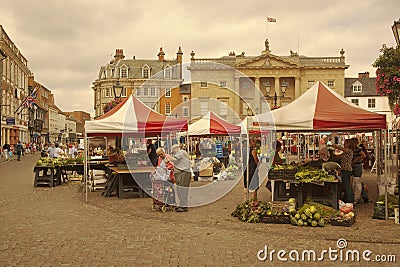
[113,103]
[388,76]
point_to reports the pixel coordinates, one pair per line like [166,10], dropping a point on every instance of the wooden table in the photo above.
[43,177]
[123,182]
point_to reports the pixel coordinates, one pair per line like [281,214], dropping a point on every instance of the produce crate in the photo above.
[343,222]
[282,174]
[278,219]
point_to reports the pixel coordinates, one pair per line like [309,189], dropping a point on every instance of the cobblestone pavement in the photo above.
[55,227]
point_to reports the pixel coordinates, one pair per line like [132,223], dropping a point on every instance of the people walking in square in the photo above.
[19,148]
[183,175]
[6,149]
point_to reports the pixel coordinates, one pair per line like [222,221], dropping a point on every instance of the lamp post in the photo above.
[2,56]
[117,89]
[396,31]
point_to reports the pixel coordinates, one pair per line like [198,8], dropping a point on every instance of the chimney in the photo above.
[119,55]
[161,55]
[179,55]
[362,75]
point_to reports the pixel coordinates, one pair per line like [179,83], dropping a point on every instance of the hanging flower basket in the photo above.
[113,103]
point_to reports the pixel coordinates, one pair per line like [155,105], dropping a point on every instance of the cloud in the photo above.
[66,42]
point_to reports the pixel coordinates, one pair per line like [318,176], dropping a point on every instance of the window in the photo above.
[167,108]
[123,73]
[331,83]
[357,88]
[310,83]
[123,93]
[167,73]
[203,84]
[246,85]
[223,109]
[146,72]
[222,83]
[152,92]
[355,101]
[371,102]
[138,92]
[185,112]
[107,92]
[203,108]
[145,91]
[167,92]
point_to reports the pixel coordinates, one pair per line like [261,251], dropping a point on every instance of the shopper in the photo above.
[151,152]
[6,149]
[51,151]
[251,171]
[357,166]
[183,175]
[345,164]
[19,148]
[164,158]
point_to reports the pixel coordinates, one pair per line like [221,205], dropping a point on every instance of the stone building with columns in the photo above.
[280,80]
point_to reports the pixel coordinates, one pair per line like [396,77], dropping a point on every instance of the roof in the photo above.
[321,108]
[368,87]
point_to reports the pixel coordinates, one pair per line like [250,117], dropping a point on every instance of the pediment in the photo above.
[268,61]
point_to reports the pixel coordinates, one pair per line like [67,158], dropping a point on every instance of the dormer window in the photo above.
[357,87]
[123,72]
[145,71]
[167,72]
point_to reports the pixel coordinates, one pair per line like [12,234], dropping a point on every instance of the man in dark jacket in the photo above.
[19,148]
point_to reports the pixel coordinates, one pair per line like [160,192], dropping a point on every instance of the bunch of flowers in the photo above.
[113,103]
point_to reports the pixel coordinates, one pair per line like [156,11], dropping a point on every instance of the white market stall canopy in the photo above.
[133,116]
[212,124]
[320,108]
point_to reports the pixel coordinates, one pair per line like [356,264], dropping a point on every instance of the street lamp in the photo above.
[249,111]
[396,30]
[117,89]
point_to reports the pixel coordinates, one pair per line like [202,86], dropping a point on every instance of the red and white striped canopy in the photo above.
[321,108]
[212,124]
[133,117]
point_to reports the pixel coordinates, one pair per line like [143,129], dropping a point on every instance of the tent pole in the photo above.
[385,154]
[85,166]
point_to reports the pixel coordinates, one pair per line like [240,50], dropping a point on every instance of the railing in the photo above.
[323,60]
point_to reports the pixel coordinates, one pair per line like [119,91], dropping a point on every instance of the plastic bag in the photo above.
[345,207]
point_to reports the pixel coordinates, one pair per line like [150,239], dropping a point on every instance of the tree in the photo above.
[388,76]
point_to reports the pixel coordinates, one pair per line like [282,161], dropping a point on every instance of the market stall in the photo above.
[132,118]
[321,109]
[222,133]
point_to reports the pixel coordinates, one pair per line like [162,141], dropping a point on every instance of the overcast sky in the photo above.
[67,41]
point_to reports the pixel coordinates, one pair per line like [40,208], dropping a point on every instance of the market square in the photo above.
[199,134]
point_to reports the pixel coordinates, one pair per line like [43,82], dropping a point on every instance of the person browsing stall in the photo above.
[164,158]
[345,162]
[252,177]
[183,175]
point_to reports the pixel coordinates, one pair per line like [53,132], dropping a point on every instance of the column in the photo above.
[277,91]
[257,97]
[237,103]
[297,91]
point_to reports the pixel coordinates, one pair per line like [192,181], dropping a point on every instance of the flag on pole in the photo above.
[269,19]
[28,102]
